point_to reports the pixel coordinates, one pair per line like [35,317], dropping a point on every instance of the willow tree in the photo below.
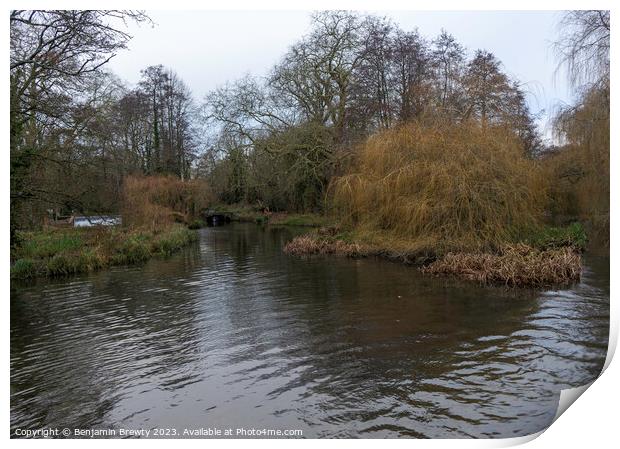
[581,166]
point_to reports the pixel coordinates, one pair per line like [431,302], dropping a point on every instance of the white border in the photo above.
[591,421]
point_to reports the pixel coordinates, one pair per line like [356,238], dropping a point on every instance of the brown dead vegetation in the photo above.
[514,265]
[517,265]
[441,187]
[308,245]
[155,202]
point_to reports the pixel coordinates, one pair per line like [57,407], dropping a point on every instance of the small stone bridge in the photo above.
[215,218]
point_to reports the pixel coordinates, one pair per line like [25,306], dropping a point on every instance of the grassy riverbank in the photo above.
[548,256]
[61,252]
[255,214]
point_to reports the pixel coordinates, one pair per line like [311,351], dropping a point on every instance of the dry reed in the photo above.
[308,245]
[515,266]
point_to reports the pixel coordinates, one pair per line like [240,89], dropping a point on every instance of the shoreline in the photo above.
[541,262]
[65,252]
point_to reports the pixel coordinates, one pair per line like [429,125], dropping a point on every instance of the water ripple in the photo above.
[233,333]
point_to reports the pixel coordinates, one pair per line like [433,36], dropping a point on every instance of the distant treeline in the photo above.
[280,140]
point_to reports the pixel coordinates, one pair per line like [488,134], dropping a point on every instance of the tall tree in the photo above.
[54,55]
[412,75]
[448,57]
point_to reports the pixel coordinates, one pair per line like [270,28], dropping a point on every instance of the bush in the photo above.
[155,202]
[261,220]
[441,188]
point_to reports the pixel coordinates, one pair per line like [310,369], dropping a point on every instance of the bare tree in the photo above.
[412,75]
[448,56]
[54,58]
[584,47]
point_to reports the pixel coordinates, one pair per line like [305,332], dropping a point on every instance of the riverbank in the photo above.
[549,256]
[254,214]
[59,252]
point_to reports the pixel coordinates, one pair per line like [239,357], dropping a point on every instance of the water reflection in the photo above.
[233,333]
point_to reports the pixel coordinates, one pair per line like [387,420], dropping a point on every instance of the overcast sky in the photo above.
[208,48]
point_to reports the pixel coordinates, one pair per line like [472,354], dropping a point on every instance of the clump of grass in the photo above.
[456,187]
[63,264]
[167,243]
[44,244]
[90,259]
[133,250]
[517,265]
[24,269]
[335,241]
[309,245]
[546,237]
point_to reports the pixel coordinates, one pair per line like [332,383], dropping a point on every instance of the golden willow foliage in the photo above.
[579,172]
[440,188]
[155,202]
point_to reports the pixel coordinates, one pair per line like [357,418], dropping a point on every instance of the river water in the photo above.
[232,333]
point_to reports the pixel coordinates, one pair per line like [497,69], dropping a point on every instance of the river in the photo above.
[232,333]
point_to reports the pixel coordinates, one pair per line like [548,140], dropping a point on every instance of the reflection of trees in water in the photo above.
[335,345]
